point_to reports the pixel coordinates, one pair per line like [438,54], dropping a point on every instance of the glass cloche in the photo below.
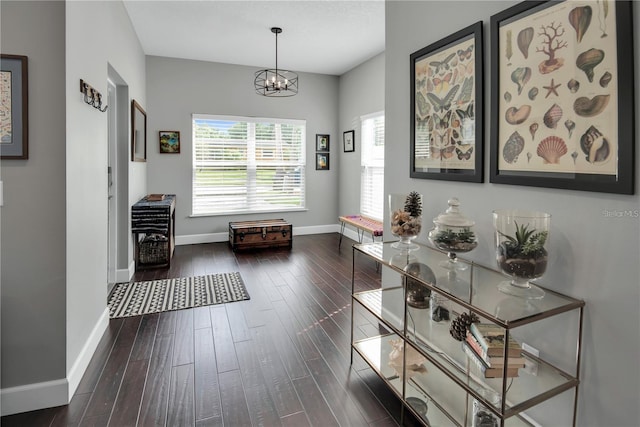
[453,232]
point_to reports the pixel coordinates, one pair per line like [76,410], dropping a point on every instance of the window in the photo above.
[243,164]
[372,166]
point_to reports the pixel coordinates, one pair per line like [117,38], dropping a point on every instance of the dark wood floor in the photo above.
[280,358]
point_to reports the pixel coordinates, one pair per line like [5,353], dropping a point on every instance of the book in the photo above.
[487,371]
[493,361]
[491,339]
[155,197]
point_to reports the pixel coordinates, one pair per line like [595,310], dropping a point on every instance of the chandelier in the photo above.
[275,82]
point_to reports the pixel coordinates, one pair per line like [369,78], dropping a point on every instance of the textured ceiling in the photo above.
[326,37]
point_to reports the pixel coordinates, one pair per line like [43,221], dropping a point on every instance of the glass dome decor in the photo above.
[453,232]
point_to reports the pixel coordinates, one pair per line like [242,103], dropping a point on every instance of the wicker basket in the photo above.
[154,249]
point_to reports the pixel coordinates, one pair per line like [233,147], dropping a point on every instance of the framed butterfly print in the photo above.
[562,95]
[447,108]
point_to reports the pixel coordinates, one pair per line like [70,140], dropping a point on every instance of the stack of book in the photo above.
[485,346]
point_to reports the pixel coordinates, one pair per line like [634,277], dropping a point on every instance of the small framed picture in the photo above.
[322,142]
[348,140]
[169,141]
[322,161]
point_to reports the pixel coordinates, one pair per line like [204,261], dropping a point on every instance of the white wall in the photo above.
[32,231]
[361,93]
[98,33]
[177,88]
[595,257]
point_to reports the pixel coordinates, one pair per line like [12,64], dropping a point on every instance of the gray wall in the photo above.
[54,221]
[89,53]
[177,88]
[361,93]
[33,230]
[595,256]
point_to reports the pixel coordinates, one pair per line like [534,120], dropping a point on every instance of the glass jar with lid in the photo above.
[453,233]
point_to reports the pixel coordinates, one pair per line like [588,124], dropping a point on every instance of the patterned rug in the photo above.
[134,299]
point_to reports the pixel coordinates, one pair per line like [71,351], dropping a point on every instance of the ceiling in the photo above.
[325,36]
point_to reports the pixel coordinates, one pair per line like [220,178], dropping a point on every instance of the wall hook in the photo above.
[91,96]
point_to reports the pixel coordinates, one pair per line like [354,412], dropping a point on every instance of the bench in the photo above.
[362,225]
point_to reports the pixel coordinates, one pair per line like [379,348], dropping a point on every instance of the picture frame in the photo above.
[322,142]
[322,161]
[447,108]
[562,96]
[14,107]
[169,141]
[138,133]
[348,140]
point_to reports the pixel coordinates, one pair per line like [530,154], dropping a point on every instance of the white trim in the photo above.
[372,115]
[35,396]
[194,239]
[125,275]
[74,375]
[199,116]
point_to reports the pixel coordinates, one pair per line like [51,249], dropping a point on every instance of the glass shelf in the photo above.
[474,288]
[375,351]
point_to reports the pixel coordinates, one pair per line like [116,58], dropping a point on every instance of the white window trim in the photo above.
[254,119]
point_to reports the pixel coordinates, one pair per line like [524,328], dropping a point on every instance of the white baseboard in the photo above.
[74,375]
[47,394]
[193,239]
[125,275]
[31,397]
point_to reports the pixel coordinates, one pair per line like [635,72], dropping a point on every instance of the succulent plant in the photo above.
[449,237]
[527,243]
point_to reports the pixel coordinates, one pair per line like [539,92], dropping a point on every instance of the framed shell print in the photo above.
[447,108]
[562,95]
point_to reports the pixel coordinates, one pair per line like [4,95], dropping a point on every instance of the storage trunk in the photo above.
[268,233]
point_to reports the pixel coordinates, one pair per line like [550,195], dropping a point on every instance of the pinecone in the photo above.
[460,324]
[413,204]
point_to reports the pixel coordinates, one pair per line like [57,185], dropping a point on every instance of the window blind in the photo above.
[372,166]
[246,164]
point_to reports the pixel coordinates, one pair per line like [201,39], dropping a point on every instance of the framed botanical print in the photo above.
[447,108]
[562,95]
[14,107]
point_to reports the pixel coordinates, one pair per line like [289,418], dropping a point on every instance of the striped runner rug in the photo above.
[134,299]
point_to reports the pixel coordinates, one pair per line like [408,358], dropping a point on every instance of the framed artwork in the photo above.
[348,139]
[14,107]
[322,142]
[322,161]
[562,95]
[169,141]
[447,108]
[138,133]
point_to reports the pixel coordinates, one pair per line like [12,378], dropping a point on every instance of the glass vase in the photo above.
[521,250]
[406,220]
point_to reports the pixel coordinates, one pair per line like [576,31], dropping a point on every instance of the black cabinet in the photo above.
[153,228]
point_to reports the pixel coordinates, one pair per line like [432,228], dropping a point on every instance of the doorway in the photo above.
[119,258]
[112,222]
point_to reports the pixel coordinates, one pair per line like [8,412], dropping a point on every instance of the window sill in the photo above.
[245,212]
